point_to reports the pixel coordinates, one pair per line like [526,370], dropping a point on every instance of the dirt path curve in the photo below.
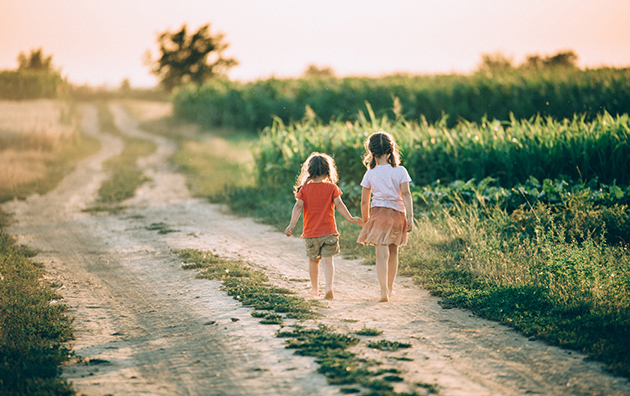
[150,321]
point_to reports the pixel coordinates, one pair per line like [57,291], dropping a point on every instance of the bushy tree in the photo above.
[187,57]
[495,62]
[498,62]
[559,59]
[314,71]
[35,61]
[562,59]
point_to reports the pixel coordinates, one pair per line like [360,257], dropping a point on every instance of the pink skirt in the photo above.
[384,227]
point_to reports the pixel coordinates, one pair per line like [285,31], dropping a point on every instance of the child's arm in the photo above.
[295,215]
[341,207]
[365,204]
[408,201]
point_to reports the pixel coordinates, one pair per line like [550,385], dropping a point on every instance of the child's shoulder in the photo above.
[326,185]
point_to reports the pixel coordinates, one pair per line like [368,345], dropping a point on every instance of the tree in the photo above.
[535,62]
[560,59]
[190,58]
[35,61]
[495,62]
[313,71]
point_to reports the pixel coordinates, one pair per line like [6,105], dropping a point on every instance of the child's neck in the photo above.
[382,160]
[319,179]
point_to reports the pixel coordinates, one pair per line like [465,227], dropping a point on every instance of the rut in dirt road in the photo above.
[157,330]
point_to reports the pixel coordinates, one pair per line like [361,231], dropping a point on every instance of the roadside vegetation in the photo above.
[33,325]
[39,144]
[215,162]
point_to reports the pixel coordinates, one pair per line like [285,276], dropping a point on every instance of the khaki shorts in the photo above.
[325,246]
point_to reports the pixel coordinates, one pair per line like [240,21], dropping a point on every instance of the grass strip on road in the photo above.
[126,176]
[340,366]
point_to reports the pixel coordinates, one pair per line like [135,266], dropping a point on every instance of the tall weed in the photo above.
[569,293]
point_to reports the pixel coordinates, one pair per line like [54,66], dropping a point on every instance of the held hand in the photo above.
[288,231]
[357,220]
[410,225]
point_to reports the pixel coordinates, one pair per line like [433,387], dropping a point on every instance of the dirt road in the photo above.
[149,327]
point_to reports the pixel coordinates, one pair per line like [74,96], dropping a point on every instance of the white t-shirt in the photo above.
[385,181]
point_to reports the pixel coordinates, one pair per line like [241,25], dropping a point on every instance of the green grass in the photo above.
[366,331]
[229,160]
[213,161]
[385,345]
[125,175]
[249,286]
[566,291]
[33,326]
[432,389]
[161,228]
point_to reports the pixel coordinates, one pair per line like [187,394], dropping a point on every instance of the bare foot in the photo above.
[329,295]
[383,298]
[314,293]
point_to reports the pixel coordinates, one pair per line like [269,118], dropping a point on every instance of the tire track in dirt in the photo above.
[137,309]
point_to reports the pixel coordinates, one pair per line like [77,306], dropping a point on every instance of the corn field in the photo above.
[558,93]
[510,152]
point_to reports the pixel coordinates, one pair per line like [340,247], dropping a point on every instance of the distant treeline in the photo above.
[30,84]
[24,84]
[558,92]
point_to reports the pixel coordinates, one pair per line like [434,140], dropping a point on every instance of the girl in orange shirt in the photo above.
[316,194]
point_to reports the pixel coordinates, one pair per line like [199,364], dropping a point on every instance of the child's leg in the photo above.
[382,258]
[392,268]
[329,274]
[313,272]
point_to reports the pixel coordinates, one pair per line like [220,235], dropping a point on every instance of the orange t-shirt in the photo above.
[319,209]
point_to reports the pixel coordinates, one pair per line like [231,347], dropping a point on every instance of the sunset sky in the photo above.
[103,41]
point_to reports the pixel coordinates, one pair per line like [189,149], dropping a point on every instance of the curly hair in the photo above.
[380,143]
[317,164]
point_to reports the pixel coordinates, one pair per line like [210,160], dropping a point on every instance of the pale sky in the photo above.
[102,42]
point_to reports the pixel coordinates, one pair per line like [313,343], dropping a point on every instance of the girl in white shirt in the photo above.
[389,217]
